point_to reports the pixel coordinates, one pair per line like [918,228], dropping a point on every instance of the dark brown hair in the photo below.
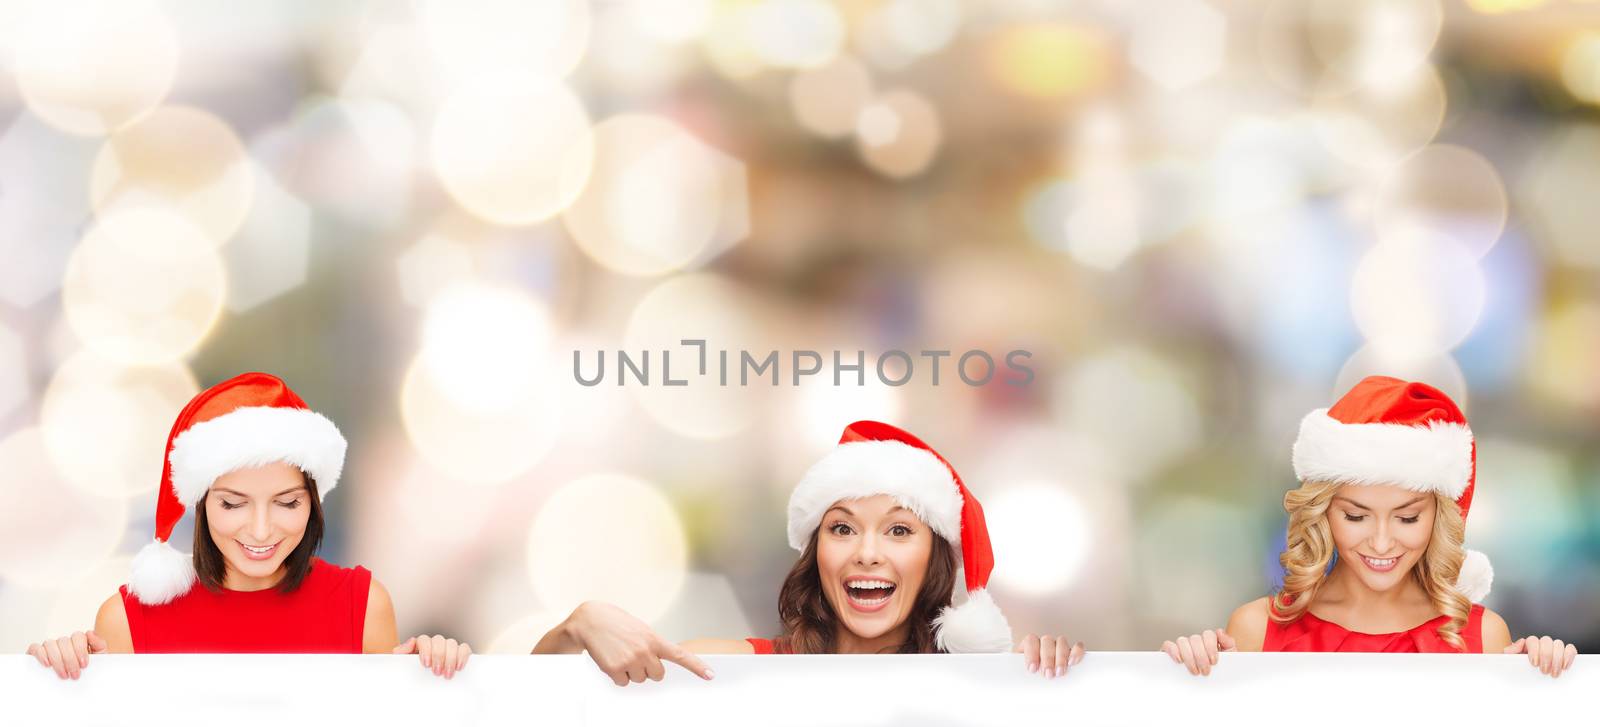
[809,622]
[209,565]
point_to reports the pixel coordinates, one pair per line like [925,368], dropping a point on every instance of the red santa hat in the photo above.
[874,458]
[1391,432]
[247,421]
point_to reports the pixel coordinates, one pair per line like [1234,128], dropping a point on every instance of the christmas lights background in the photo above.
[1203,217]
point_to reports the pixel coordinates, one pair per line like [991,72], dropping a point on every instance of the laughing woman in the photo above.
[894,558]
[255,462]
[1386,480]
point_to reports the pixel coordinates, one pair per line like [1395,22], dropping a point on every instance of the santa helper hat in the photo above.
[1402,433]
[874,458]
[247,421]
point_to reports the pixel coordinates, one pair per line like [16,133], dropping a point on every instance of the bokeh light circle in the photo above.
[898,134]
[707,307]
[611,538]
[1417,293]
[1042,537]
[51,533]
[513,152]
[1438,370]
[474,38]
[828,99]
[181,158]
[90,67]
[143,287]
[127,412]
[1449,189]
[656,197]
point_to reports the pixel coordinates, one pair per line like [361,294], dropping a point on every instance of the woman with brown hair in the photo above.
[1387,476]
[894,558]
[255,462]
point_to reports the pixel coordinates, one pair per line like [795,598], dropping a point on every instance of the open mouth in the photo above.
[1381,565]
[868,594]
[258,552]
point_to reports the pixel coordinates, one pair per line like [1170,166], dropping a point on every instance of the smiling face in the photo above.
[256,518]
[1381,531]
[872,558]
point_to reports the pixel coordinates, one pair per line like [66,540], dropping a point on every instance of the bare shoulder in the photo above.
[1248,624]
[111,624]
[378,628]
[1496,634]
[719,646]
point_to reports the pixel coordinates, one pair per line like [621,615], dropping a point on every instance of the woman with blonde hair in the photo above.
[1386,481]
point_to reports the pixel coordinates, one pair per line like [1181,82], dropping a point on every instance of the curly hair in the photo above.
[1309,549]
[810,623]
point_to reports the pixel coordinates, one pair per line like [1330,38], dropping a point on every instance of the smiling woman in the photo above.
[256,462]
[894,558]
[1374,558]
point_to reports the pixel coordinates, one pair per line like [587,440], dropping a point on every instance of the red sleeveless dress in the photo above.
[325,615]
[764,646]
[1309,633]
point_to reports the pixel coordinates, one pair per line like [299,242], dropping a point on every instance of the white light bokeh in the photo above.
[1449,189]
[480,446]
[484,345]
[658,197]
[1181,45]
[696,306]
[181,158]
[76,604]
[89,67]
[794,33]
[826,409]
[350,159]
[13,371]
[126,412]
[898,134]
[1375,127]
[1041,536]
[828,99]
[1102,221]
[43,172]
[513,152]
[1374,41]
[143,287]
[1437,369]
[472,39]
[1417,293]
[611,538]
[433,264]
[62,534]
[1580,68]
[272,251]
[677,22]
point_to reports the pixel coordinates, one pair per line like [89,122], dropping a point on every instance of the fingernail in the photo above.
[1033,668]
[710,674]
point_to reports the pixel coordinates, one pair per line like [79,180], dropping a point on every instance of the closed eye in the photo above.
[1354,518]
[1410,520]
[231,505]
[292,504]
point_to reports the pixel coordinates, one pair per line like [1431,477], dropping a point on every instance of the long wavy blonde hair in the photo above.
[1310,549]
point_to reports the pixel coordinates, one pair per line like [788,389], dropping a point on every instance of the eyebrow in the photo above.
[847,510]
[241,494]
[1364,507]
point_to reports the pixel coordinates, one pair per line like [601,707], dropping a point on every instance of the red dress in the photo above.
[763,646]
[1309,633]
[325,615]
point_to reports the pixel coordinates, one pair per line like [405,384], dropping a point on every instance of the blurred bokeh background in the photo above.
[1203,217]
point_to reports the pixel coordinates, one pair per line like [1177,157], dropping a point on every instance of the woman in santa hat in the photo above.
[1386,480]
[255,462]
[894,558]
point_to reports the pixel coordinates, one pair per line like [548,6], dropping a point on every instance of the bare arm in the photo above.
[1496,634]
[1248,625]
[378,631]
[111,624]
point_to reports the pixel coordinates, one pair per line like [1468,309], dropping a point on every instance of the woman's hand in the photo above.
[1548,655]
[444,656]
[1198,653]
[1054,653]
[624,647]
[68,655]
